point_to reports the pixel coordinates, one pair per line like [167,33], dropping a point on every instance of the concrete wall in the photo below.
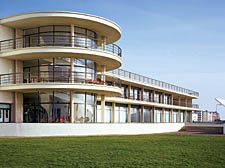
[6,33]
[54,129]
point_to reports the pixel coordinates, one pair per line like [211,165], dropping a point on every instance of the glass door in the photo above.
[1,115]
[6,115]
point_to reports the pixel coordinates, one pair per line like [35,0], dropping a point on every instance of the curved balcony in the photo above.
[79,81]
[30,47]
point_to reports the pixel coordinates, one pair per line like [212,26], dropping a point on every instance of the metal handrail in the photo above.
[76,41]
[56,77]
[137,77]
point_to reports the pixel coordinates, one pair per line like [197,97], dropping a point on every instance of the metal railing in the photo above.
[56,77]
[60,41]
[140,78]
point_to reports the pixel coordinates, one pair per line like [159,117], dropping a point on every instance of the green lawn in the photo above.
[114,151]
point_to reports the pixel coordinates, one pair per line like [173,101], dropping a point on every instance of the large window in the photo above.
[135,93]
[135,114]
[158,97]
[58,70]
[124,91]
[147,95]
[121,113]
[167,99]
[182,116]
[147,114]
[158,115]
[84,107]
[175,116]
[167,115]
[47,106]
[58,35]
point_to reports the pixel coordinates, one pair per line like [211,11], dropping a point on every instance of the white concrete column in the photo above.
[185,116]
[113,111]
[103,108]
[103,43]
[179,104]
[142,94]
[18,38]
[18,107]
[129,87]
[72,35]
[72,109]
[153,114]
[171,115]
[103,70]
[18,67]
[129,108]
[179,116]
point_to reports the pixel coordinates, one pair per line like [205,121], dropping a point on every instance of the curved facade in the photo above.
[52,65]
[62,67]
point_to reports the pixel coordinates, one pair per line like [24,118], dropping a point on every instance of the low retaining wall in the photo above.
[54,129]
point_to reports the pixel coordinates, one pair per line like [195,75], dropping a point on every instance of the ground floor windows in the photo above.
[148,114]
[167,115]
[158,115]
[182,116]
[84,107]
[47,106]
[121,113]
[175,116]
[54,107]
[135,114]
[5,113]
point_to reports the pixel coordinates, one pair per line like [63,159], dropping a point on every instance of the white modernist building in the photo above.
[62,68]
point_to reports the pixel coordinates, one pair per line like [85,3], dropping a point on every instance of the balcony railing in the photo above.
[56,77]
[60,41]
[140,78]
[175,102]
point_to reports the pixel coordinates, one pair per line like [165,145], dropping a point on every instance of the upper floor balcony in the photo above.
[159,85]
[77,81]
[31,47]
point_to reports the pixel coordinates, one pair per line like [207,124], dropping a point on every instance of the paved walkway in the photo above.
[195,133]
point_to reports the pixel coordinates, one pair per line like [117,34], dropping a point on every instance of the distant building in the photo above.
[205,116]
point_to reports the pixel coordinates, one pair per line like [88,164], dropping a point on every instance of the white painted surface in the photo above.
[6,33]
[60,129]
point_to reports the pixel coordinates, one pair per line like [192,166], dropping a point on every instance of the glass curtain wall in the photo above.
[182,116]
[158,115]
[167,115]
[175,116]
[147,114]
[121,113]
[167,99]
[147,95]
[47,107]
[58,35]
[58,70]
[84,70]
[84,107]
[135,93]
[135,114]
[158,97]
[124,89]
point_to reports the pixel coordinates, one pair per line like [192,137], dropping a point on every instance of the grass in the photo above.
[199,151]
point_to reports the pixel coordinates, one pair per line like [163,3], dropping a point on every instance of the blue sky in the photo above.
[178,41]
